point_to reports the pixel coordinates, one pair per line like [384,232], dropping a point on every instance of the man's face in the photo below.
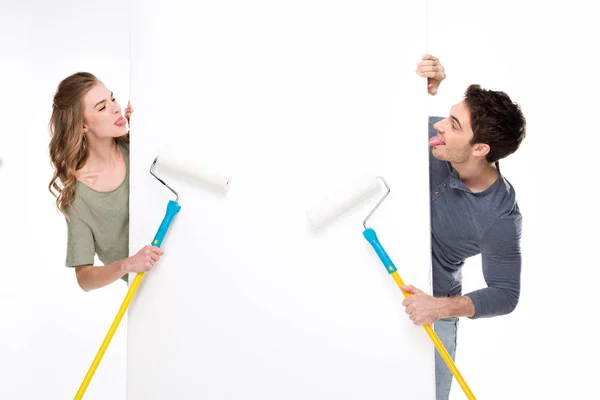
[453,142]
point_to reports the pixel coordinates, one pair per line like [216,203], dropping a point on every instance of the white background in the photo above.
[542,56]
[292,100]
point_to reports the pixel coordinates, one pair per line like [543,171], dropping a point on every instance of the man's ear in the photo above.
[481,149]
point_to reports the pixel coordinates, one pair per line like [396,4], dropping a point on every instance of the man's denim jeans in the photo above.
[446,330]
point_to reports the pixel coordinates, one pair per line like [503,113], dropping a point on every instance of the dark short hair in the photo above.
[496,121]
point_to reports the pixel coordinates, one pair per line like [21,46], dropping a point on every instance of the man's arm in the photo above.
[501,263]
[501,256]
[426,309]
[461,306]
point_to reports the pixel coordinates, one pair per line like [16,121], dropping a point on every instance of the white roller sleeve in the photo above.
[330,208]
[193,169]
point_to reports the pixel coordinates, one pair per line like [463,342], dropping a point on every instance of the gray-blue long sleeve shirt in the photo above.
[464,224]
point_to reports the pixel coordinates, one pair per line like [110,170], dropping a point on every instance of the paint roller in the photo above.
[185,167]
[323,212]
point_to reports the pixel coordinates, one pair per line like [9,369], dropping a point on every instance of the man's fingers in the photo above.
[429,68]
[408,300]
[438,76]
[430,74]
[414,319]
[410,289]
[428,63]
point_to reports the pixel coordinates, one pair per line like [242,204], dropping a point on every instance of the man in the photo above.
[473,211]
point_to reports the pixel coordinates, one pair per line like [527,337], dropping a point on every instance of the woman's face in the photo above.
[102,114]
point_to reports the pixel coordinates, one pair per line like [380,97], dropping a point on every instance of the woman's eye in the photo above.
[102,109]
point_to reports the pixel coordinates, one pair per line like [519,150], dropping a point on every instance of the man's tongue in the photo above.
[436,141]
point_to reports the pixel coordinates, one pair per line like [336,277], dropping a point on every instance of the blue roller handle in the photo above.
[172,209]
[371,237]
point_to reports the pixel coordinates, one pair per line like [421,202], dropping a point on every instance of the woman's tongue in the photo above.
[436,141]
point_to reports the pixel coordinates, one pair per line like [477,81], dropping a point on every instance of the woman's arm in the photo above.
[90,277]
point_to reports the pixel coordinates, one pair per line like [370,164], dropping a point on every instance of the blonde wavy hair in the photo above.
[68,147]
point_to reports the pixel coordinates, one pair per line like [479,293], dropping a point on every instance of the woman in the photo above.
[89,150]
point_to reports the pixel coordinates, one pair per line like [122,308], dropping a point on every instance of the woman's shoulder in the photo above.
[77,206]
[124,145]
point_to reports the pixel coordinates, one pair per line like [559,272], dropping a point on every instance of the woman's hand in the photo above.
[144,260]
[128,111]
[431,68]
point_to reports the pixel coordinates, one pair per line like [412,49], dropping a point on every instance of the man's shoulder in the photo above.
[509,194]
[507,216]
